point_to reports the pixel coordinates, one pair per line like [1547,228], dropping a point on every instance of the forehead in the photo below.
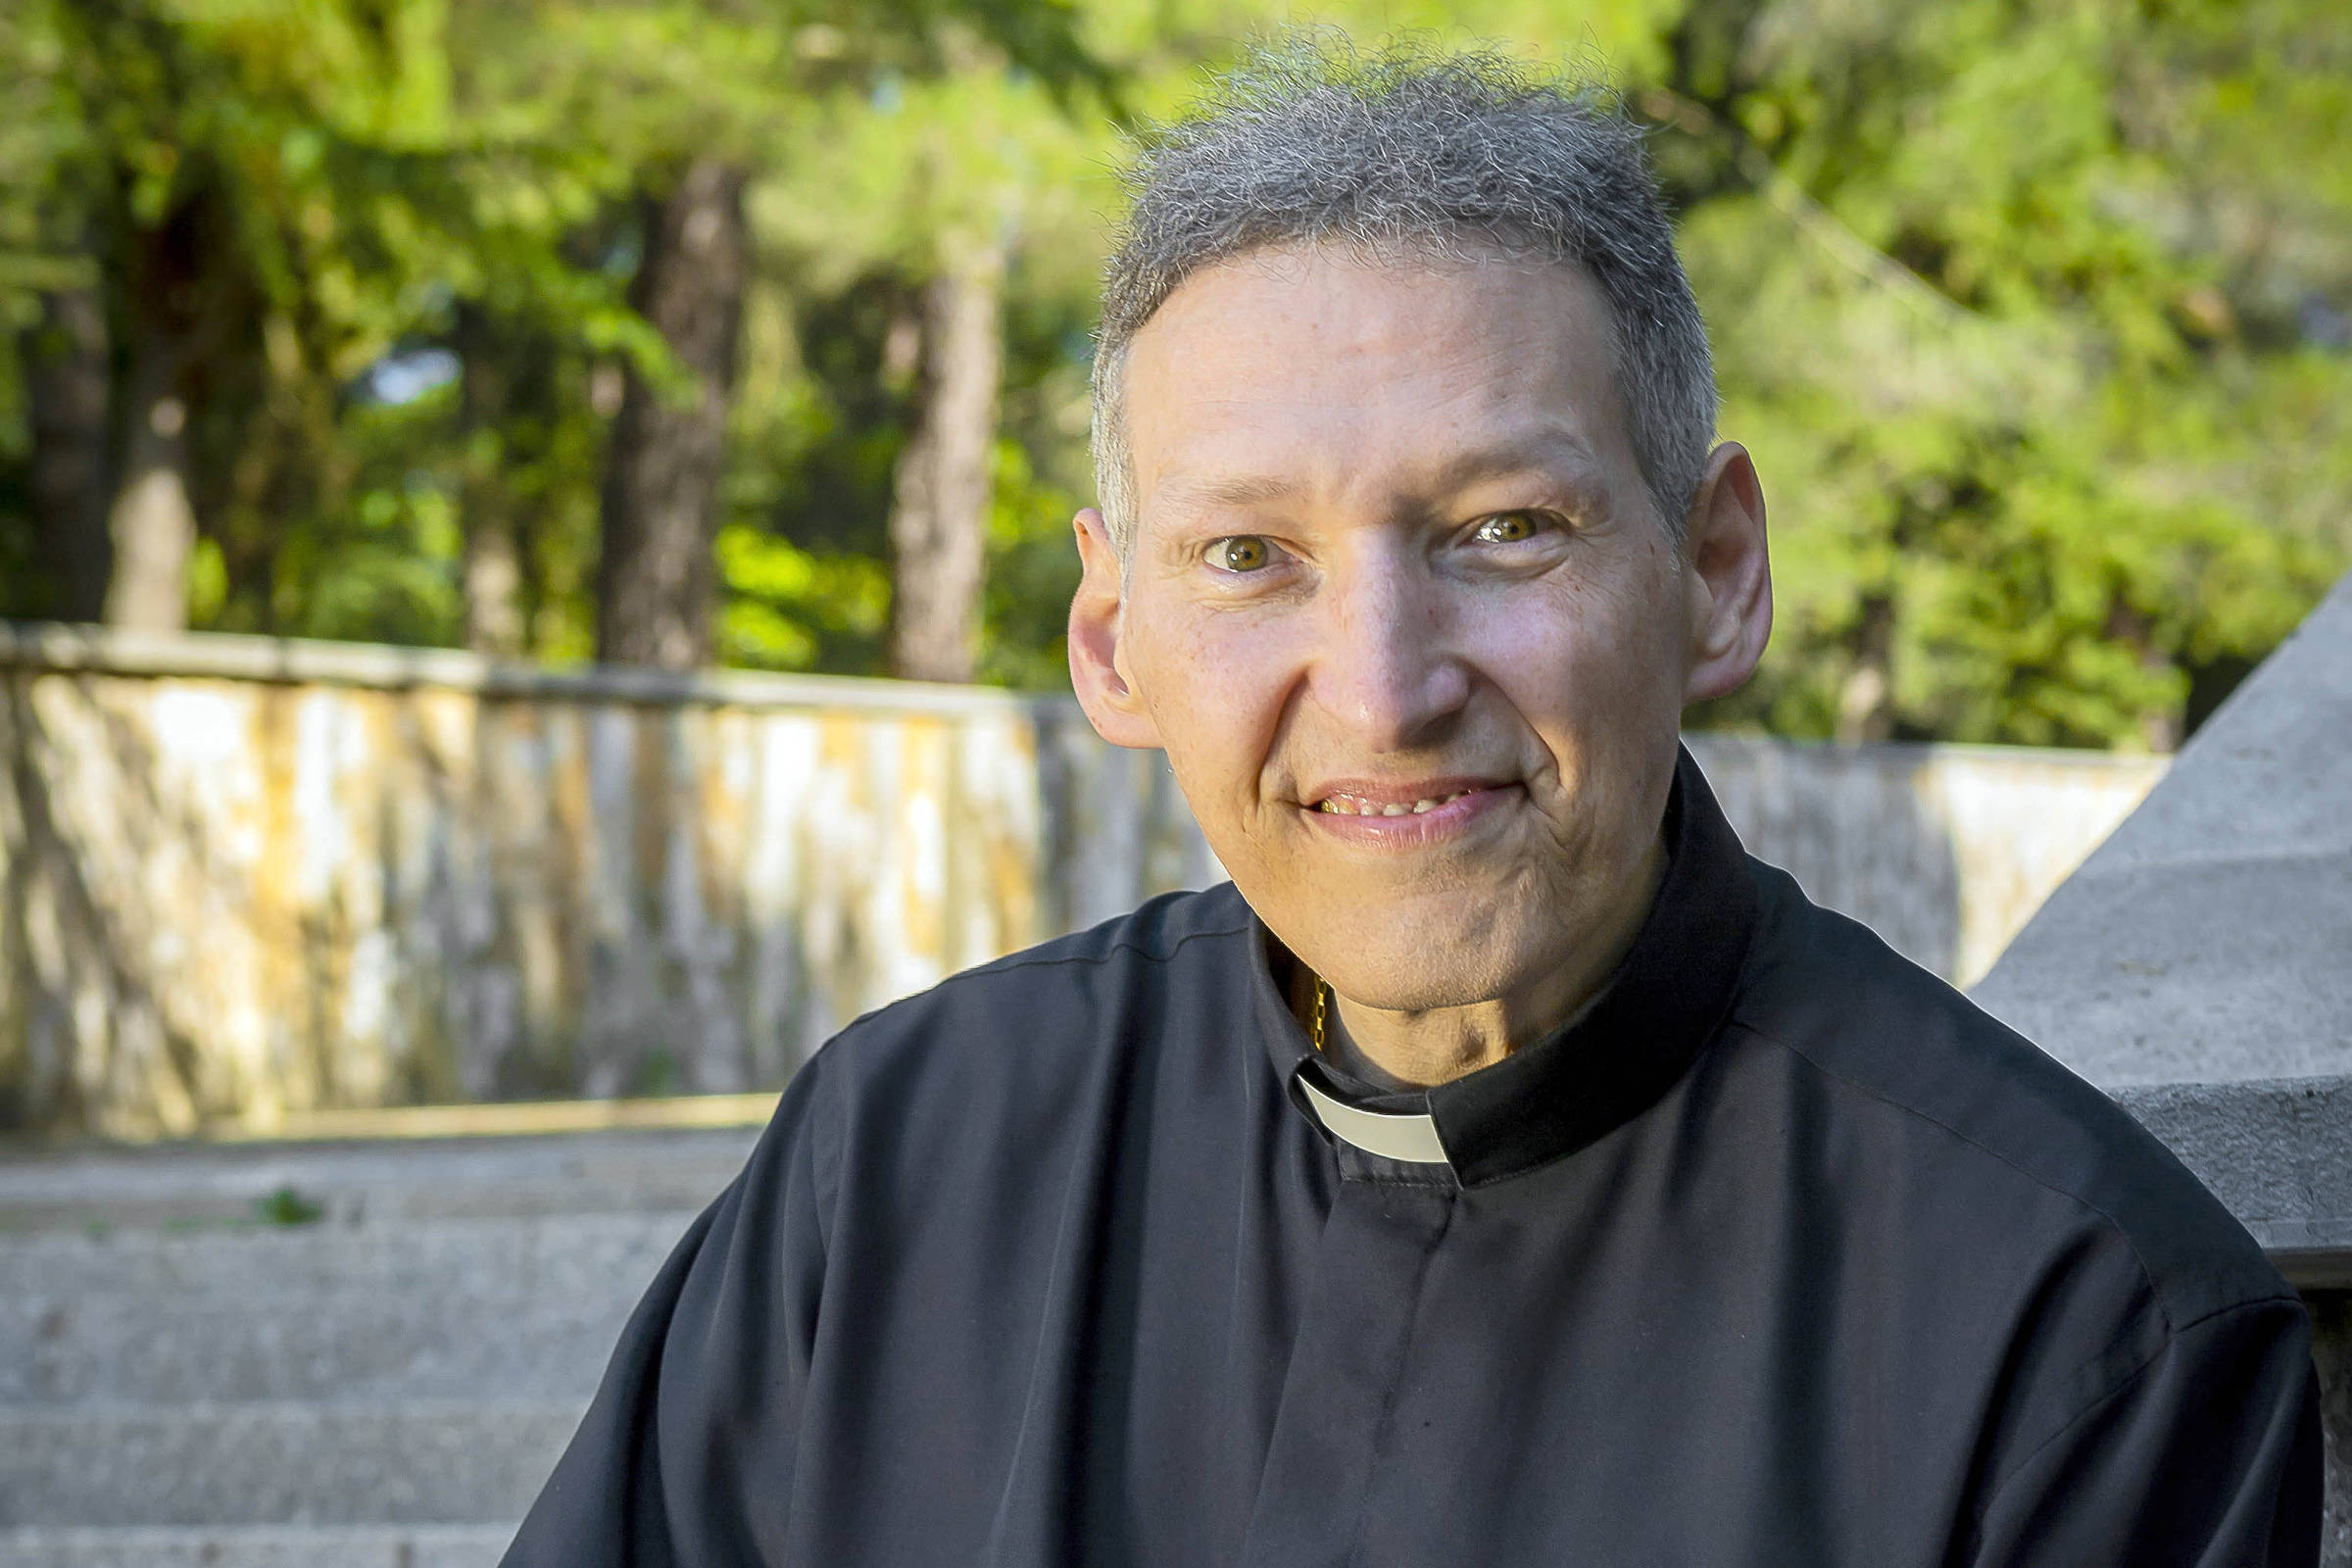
[1334,371]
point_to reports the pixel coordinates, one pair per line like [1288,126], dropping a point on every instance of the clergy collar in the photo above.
[1592,1075]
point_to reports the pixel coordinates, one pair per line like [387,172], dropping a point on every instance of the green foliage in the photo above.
[2013,308]
[2038,318]
[791,609]
[285,1206]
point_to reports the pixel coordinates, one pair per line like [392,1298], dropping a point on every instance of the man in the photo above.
[1504,1169]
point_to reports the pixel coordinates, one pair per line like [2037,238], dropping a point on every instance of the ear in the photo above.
[1729,576]
[1096,669]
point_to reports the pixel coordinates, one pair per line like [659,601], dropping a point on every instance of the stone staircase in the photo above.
[320,1356]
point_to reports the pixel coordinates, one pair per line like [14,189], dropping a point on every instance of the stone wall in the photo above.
[242,878]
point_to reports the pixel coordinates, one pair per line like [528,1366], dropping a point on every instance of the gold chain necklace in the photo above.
[1318,1028]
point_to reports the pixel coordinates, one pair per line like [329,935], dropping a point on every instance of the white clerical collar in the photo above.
[1408,1135]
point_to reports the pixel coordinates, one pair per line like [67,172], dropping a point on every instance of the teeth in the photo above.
[1339,806]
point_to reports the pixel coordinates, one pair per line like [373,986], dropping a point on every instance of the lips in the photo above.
[1349,804]
[1404,811]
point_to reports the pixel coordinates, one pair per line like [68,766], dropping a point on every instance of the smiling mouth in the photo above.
[1356,805]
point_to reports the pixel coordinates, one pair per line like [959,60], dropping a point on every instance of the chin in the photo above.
[1454,939]
[1416,975]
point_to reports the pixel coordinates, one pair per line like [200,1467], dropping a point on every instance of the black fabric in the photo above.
[1780,1253]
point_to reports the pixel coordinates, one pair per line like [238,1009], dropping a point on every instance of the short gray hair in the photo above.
[1309,141]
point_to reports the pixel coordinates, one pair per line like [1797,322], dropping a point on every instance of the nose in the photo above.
[1384,666]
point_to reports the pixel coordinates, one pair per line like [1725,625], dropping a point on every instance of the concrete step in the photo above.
[449,1309]
[504,1259]
[101,1189]
[120,1355]
[257,1546]
[213,1465]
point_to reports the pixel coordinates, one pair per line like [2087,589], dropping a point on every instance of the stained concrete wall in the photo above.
[1945,850]
[243,878]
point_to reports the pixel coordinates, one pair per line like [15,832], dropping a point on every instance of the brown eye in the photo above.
[1244,552]
[1508,528]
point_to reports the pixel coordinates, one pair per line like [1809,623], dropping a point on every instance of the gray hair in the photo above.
[1449,155]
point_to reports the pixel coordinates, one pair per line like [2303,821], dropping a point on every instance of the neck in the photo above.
[1420,1049]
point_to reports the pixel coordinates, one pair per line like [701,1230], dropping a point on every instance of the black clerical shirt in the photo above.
[1780,1253]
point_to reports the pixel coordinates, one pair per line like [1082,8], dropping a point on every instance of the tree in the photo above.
[963,198]
[495,537]
[115,532]
[172,319]
[251,186]
[697,157]
[656,572]
[939,512]
[54,348]
[2004,299]
[2039,322]
[64,356]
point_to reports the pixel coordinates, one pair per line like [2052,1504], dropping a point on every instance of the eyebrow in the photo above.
[1554,450]
[1247,490]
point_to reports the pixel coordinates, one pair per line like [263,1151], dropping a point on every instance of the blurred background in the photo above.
[680,332]
[534,534]
[475,474]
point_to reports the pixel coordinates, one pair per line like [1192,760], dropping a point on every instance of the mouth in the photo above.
[1404,813]
[1343,804]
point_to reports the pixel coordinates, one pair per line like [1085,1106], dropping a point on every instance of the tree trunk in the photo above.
[656,576]
[493,587]
[152,523]
[494,621]
[939,513]
[66,385]
[1866,700]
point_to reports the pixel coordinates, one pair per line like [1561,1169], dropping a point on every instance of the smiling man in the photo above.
[1504,1168]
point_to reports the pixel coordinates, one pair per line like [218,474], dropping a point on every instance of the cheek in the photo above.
[1216,685]
[1583,661]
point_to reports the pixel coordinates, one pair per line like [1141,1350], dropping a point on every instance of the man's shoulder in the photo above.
[1057,996]
[1188,932]
[1895,1043]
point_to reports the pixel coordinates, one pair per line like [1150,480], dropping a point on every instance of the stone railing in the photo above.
[243,878]
[2199,968]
